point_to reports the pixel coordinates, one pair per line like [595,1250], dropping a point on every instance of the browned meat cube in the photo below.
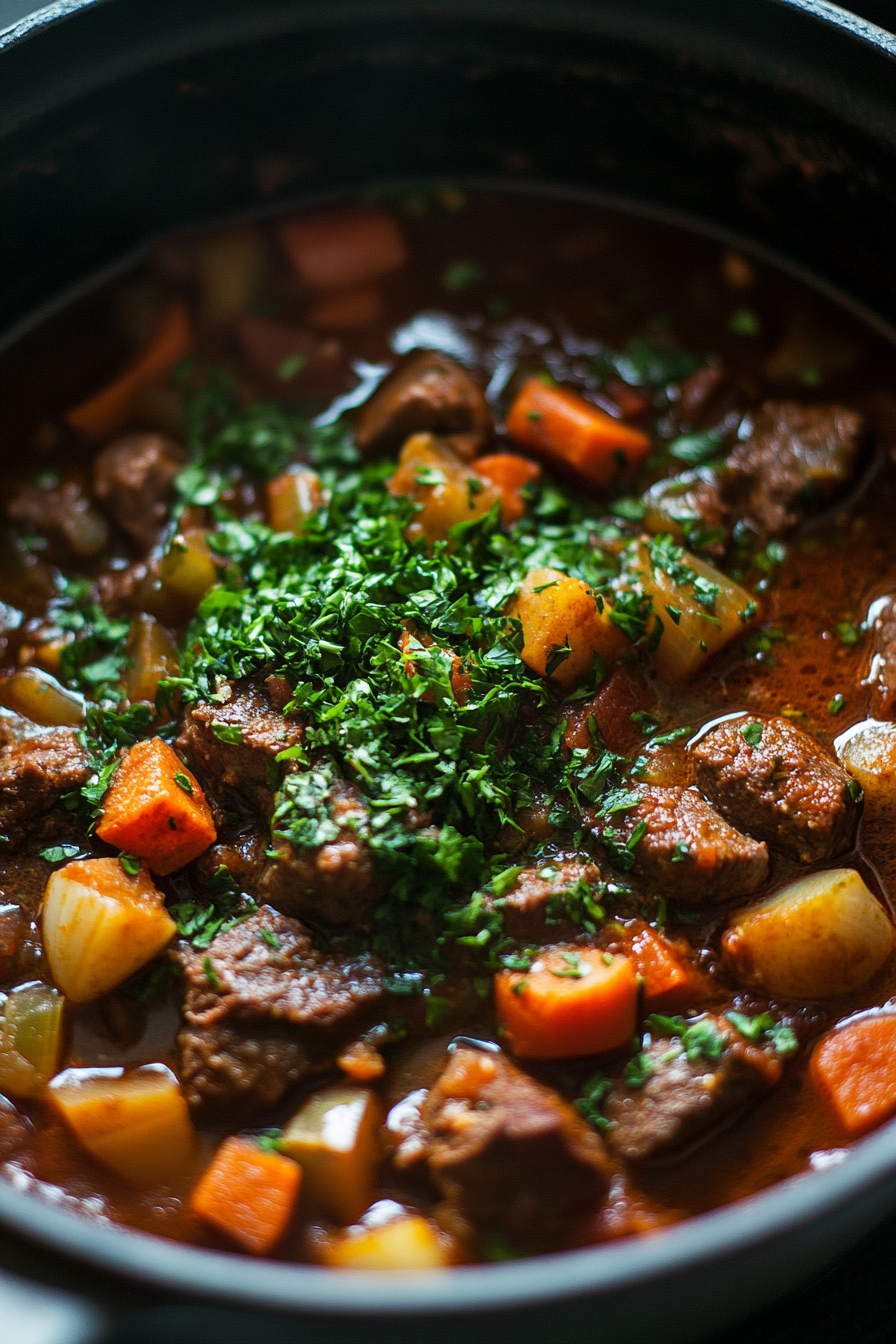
[34,774]
[796,458]
[686,851]
[682,1098]
[134,478]
[549,900]
[262,1008]
[508,1152]
[426,390]
[233,746]
[778,784]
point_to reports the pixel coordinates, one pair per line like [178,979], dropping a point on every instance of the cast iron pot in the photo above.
[773,121]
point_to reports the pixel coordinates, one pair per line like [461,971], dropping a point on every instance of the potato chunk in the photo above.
[701,609]
[868,753]
[100,925]
[559,613]
[448,489]
[406,1241]
[818,937]
[135,1121]
[334,1139]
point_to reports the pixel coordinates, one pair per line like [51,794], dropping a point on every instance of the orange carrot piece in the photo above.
[854,1069]
[572,1002]
[341,249]
[571,433]
[109,409]
[461,682]
[155,809]
[666,982]
[248,1194]
[509,473]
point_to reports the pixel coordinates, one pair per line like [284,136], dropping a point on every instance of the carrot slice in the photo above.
[854,1069]
[665,980]
[572,1002]
[109,409]
[571,433]
[155,809]
[341,249]
[509,473]
[248,1194]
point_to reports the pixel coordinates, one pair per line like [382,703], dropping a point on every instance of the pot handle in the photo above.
[33,1314]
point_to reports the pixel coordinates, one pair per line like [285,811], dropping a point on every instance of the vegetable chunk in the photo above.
[156,809]
[868,753]
[248,1194]
[511,474]
[292,499]
[406,1242]
[100,925]
[334,1138]
[820,936]
[135,1120]
[563,629]
[700,608]
[448,489]
[30,1039]
[573,434]
[343,248]
[571,1002]
[854,1069]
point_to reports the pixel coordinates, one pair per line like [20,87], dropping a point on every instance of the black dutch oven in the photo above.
[770,121]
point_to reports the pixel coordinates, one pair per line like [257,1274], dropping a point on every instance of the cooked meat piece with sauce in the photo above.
[882,673]
[134,479]
[507,1151]
[34,774]
[616,700]
[233,747]
[426,390]
[687,853]
[262,1007]
[63,513]
[681,1099]
[796,458]
[273,348]
[776,782]
[539,906]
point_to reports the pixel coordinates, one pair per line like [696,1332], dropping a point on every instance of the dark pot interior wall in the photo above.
[134,118]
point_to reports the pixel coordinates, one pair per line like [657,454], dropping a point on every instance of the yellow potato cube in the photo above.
[100,925]
[823,935]
[135,1121]
[559,612]
[448,489]
[334,1139]
[407,1242]
[693,630]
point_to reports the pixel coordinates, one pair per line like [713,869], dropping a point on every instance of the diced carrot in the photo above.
[248,1194]
[617,698]
[571,433]
[509,473]
[109,409]
[666,981]
[343,248]
[571,1002]
[155,809]
[348,309]
[854,1069]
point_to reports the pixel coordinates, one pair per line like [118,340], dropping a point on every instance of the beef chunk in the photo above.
[262,1008]
[34,774]
[269,346]
[426,390]
[617,699]
[233,747]
[548,901]
[681,1097]
[687,853]
[508,1152]
[882,675]
[776,782]
[134,478]
[334,883]
[62,512]
[796,458]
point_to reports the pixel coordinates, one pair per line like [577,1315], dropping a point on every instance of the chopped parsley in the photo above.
[752,734]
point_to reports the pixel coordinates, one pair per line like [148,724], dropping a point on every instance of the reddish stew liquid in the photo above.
[354,650]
